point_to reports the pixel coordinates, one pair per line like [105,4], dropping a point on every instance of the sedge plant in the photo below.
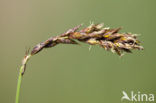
[94,34]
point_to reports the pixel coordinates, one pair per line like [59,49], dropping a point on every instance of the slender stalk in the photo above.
[19,85]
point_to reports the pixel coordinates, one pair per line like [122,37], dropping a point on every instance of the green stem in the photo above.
[19,84]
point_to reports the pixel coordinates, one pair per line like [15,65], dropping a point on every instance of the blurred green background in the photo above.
[70,73]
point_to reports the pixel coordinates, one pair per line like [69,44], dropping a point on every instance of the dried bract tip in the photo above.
[24,61]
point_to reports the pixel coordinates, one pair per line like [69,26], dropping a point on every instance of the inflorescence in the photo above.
[95,34]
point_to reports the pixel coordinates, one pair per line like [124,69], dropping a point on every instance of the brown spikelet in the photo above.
[94,34]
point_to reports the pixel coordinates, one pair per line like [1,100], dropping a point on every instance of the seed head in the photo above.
[94,34]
